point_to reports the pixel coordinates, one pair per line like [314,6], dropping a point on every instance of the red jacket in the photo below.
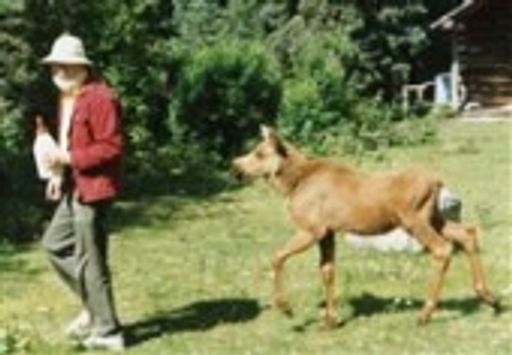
[96,143]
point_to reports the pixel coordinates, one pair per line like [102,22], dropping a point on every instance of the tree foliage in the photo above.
[204,74]
[224,93]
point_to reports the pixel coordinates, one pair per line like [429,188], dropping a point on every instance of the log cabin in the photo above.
[481,52]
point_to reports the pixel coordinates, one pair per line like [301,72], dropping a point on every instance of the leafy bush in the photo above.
[20,192]
[318,97]
[300,109]
[197,77]
[19,189]
[224,93]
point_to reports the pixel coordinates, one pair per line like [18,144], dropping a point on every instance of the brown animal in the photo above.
[325,197]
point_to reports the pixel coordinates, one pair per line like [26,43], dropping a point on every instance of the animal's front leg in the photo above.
[300,242]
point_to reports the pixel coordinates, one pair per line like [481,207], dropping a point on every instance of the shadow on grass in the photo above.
[368,305]
[197,316]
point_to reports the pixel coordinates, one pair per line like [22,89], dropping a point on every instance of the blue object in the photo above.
[443,88]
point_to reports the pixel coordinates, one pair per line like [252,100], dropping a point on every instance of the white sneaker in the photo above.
[80,327]
[114,342]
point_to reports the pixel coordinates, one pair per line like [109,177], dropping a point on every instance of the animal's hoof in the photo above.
[422,320]
[426,312]
[284,307]
[330,322]
[288,312]
[489,298]
[330,319]
[424,317]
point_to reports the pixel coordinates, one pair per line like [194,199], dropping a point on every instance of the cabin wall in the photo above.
[484,49]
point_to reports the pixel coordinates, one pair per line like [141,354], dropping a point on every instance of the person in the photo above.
[89,153]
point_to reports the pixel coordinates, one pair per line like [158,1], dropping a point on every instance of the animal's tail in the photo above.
[449,205]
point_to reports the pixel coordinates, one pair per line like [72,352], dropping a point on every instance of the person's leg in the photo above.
[93,271]
[59,243]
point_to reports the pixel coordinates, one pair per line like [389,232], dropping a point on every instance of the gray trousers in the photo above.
[77,244]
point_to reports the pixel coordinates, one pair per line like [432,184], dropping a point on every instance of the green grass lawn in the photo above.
[192,275]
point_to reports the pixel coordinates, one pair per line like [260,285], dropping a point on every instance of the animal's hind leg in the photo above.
[441,250]
[327,271]
[466,237]
[300,242]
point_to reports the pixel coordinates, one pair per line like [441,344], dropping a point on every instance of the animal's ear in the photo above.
[270,135]
[267,133]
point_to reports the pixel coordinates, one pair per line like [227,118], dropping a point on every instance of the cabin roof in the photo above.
[448,20]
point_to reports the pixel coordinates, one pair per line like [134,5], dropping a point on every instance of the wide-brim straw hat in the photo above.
[67,49]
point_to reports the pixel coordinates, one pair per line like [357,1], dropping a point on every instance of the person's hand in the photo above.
[53,190]
[59,158]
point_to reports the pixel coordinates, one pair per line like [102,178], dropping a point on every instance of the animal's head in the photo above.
[266,159]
